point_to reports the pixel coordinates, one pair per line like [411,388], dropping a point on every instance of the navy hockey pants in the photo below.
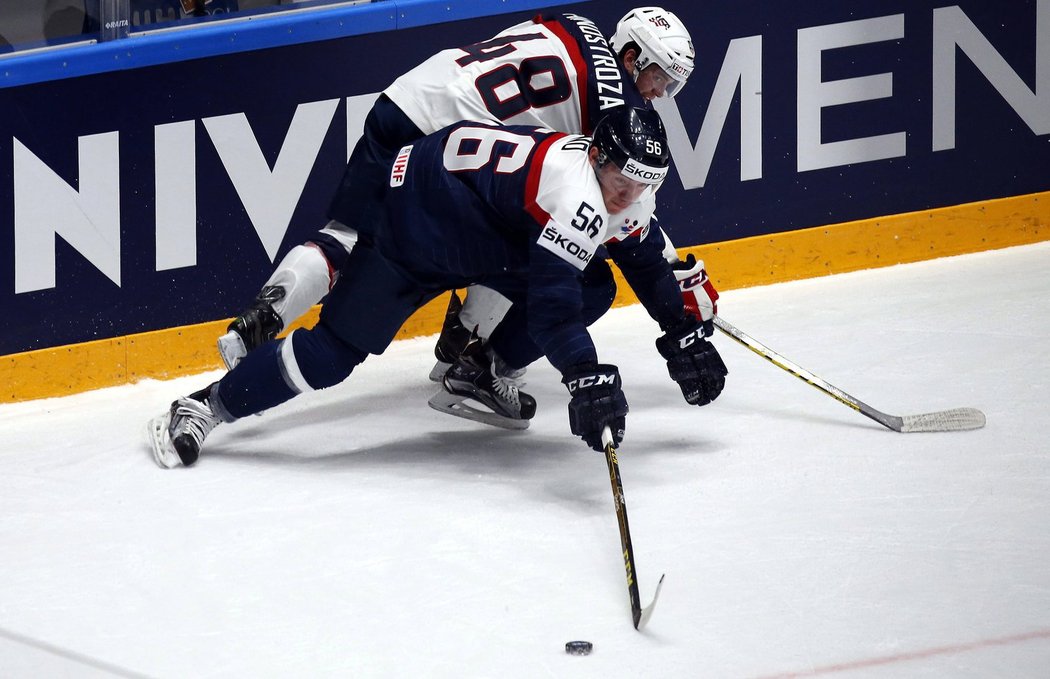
[368,305]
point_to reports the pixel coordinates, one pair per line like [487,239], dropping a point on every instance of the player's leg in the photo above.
[479,312]
[491,373]
[362,315]
[309,271]
[480,386]
[301,280]
[276,372]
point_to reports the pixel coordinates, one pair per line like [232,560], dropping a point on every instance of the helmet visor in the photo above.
[678,72]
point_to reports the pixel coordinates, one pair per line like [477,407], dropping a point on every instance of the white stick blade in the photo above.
[958,419]
[647,612]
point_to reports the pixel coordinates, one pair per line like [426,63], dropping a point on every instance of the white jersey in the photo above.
[554,72]
[566,200]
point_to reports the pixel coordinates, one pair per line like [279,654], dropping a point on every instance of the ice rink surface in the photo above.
[357,533]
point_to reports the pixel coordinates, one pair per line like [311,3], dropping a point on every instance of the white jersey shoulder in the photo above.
[575,221]
[484,83]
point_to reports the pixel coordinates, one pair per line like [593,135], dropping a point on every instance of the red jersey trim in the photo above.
[532,182]
[579,63]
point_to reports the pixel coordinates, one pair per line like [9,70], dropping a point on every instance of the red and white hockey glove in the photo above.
[698,294]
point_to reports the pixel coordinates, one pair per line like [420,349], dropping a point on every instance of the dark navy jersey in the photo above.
[518,209]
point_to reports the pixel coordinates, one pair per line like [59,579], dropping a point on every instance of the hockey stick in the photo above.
[638,614]
[957,419]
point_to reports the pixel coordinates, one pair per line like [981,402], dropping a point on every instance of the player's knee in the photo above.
[317,359]
[335,241]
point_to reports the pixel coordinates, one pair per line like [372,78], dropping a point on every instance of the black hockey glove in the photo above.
[597,401]
[693,362]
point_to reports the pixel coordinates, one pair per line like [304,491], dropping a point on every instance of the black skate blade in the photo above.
[437,373]
[462,406]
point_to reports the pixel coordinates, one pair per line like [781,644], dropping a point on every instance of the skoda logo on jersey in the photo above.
[567,245]
[646,174]
[574,250]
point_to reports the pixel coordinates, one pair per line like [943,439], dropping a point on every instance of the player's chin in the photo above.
[616,206]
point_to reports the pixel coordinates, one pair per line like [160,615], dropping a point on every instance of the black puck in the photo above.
[578,647]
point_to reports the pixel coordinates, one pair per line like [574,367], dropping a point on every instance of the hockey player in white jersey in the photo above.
[557,72]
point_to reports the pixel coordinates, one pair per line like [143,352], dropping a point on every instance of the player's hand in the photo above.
[698,294]
[693,362]
[596,401]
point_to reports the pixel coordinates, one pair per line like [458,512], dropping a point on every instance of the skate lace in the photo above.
[507,381]
[196,419]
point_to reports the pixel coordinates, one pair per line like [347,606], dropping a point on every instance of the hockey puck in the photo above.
[578,647]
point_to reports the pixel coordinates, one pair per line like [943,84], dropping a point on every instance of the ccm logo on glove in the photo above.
[596,402]
[694,336]
[590,381]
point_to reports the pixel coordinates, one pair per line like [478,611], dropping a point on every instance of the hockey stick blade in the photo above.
[647,612]
[956,419]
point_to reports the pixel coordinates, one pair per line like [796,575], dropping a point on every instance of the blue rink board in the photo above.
[267,70]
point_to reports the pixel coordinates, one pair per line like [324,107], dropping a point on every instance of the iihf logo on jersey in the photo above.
[397,172]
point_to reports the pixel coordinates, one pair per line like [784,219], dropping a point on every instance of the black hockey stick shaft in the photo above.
[625,528]
[957,419]
[640,616]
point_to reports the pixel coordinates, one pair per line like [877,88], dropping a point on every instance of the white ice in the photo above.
[357,533]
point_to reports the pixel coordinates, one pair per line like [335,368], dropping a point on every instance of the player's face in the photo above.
[618,190]
[653,82]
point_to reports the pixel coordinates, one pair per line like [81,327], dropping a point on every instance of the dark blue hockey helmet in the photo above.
[633,139]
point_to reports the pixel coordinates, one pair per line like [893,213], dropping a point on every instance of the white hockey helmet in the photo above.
[661,39]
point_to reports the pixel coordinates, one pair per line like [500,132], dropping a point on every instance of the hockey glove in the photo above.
[693,362]
[597,401]
[698,294]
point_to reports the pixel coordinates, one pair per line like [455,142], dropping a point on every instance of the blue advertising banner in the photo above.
[162,195]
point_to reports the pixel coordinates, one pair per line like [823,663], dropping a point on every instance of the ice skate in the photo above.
[176,435]
[452,340]
[259,323]
[481,387]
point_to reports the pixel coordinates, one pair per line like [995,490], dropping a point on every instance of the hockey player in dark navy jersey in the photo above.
[557,72]
[521,209]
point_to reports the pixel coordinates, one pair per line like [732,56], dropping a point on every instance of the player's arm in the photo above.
[698,292]
[555,312]
[692,361]
[557,257]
